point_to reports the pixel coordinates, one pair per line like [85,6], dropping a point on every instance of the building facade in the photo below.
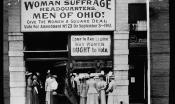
[126,50]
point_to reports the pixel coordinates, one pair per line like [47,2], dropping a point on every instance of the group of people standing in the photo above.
[96,89]
[35,88]
[88,89]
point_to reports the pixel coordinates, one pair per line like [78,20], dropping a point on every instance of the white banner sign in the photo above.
[90,45]
[67,15]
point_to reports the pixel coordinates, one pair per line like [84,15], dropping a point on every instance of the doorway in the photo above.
[138,76]
[48,51]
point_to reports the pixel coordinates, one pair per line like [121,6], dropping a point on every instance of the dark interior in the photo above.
[38,41]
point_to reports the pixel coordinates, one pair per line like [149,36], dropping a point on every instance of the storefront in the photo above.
[79,36]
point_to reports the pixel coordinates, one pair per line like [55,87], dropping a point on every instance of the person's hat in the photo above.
[48,71]
[91,75]
[55,76]
[34,77]
[28,73]
[96,77]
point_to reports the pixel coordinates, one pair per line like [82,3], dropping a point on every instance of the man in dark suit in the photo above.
[73,83]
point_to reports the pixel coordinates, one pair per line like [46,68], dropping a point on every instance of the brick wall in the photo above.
[160,51]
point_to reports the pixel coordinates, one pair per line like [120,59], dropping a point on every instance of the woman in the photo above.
[35,86]
[92,95]
[110,91]
[54,86]
[101,86]
[29,88]
[83,91]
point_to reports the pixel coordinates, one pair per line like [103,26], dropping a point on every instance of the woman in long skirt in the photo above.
[29,89]
[110,91]
[101,86]
[35,85]
[83,92]
[92,95]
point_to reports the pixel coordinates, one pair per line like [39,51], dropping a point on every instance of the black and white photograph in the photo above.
[87,52]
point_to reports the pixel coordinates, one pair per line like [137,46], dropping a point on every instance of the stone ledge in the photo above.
[121,52]
[13,38]
[17,69]
[121,35]
[137,1]
[16,53]
[122,77]
[121,67]
[121,32]
[15,33]
[119,73]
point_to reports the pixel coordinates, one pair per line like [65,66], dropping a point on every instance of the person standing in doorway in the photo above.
[83,91]
[77,79]
[101,86]
[29,88]
[111,99]
[40,89]
[54,86]
[74,86]
[92,94]
[48,87]
[35,86]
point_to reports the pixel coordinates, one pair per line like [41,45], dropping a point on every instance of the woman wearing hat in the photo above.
[29,88]
[101,86]
[83,91]
[92,94]
[35,86]
[54,86]
[111,98]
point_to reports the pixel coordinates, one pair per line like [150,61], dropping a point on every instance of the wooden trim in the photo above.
[46,51]
[45,59]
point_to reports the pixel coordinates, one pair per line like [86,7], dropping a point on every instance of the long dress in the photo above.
[112,93]
[35,98]
[29,91]
[83,93]
[48,82]
[101,87]
[54,86]
[92,95]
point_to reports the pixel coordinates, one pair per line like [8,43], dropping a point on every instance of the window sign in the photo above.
[90,45]
[67,15]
